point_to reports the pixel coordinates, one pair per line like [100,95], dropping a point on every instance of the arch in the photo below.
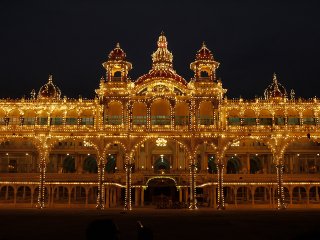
[279,117]
[161,177]
[78,195]
[72,117]
[249,117]
[162,164]
[29,117]
[212,165]
[255,165]
[262,195]
[233,165]
[204,74]
[110,166]
[299,195]
[90,164]
[114,113]
[92,195]
[139,113]
[61,194]
[233,117]
[314,194]
[160,112]
[265,117]
[117,74]
[86,117]
[139,143]
[3,117]
[293,117]
[206,113]
[308,117]
[14,117]
[181,113]
[7,194]
[244,195]
[69,165]
[229,194]
[24,194]
[42,118]
[56,117]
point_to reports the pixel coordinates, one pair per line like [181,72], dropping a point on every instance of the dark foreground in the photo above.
[165,224]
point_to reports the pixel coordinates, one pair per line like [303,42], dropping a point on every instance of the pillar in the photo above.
[42,165]
[127,204]
[280,195]
[107,204]
[137,197]
[100,198]
[114,197]
[214,197]
[180,194]
[192,204]
[220,168]
[142,197]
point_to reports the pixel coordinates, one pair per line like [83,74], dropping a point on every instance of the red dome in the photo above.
[49,90]
[204,53]
[161,74]
[275,89]
[117,53]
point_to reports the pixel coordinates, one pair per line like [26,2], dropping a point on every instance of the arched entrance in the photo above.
[161,192]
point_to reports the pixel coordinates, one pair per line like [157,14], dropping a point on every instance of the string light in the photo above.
[124,113]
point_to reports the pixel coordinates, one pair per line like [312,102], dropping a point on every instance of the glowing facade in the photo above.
[160,138]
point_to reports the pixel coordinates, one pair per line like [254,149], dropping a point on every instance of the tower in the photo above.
[117,67]
[204,66]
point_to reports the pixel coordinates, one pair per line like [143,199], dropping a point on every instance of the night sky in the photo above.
[70,39]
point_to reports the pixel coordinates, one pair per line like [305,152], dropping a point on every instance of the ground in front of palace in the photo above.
[165,224]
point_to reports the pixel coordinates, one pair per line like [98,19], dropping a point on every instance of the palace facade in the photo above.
[160,141]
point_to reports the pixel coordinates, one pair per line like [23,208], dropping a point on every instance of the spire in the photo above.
[162,57]
[275,80]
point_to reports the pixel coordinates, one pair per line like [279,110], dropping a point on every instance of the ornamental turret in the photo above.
[117,67]
[204,66]
[49,90]
[275,90]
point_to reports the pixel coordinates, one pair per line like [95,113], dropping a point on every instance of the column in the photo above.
[252,195]
[180,194]
[280,190]
[136,194]
[107,204]
[214,197]
[42,165]
[248,163]
[114,197]
[100,198]
[142,197]
[127,204]
[193,186]
[186,195]
[220,168]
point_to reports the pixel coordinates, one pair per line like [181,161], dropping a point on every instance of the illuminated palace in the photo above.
[160,141]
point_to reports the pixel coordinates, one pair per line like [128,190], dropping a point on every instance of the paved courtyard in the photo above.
[166,224]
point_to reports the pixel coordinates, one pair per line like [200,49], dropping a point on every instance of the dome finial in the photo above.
[275,80]
[204,44]
[118,45]
[50,78]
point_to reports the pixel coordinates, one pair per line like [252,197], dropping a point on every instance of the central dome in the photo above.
[162,67]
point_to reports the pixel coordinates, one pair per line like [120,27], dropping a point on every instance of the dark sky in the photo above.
[70,39]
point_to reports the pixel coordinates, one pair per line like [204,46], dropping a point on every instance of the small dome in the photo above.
[49,90]
[117,53]
[204,53]
[275,89]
